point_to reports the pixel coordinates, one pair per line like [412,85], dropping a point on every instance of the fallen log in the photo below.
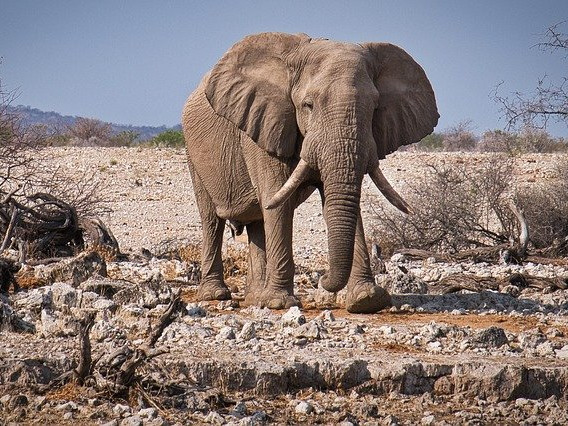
[457,282]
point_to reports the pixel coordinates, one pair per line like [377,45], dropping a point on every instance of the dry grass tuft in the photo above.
[26,279]
[189,253]
[67,392]
[108,254]
[235,263]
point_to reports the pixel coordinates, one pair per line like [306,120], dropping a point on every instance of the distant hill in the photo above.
[32,116]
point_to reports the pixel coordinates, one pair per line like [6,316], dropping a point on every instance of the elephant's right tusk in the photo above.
[299,174]
[388,191]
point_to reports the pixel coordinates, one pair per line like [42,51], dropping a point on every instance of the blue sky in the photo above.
[135,62]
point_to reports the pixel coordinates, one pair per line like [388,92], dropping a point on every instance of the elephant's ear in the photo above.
[250,86]
[407,107]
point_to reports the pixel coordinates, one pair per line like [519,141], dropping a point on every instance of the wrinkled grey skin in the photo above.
[276,104]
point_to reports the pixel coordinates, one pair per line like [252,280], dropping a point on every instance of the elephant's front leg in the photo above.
[212,285]
[277,291]
[363,294]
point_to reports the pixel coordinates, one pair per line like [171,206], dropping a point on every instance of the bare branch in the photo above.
[549,101]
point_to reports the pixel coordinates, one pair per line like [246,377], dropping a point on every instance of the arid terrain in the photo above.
[497,356]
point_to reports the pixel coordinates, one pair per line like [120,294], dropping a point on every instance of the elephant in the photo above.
[280,116]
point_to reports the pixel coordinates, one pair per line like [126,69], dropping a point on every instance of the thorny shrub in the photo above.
[461,138]
[455,207]
[527,141]
[460,206]
[546,208]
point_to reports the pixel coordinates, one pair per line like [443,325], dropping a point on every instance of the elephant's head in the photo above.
[339,107]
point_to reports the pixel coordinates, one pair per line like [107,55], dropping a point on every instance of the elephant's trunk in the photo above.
[341,213]
[342,166]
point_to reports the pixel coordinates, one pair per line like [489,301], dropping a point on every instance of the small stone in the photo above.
[387,329]
[562,353]
[68,415]
[240,408]
[390,420]
[545,349]
[121,409]
[327,315]
[521,402]
[434,346]
[94,402]
[4,400]
[397,257]
[554,332]
[148,413]
[214,418]
[356,329]
[248,331]
[512,290]
[132,421]
[194,310]
[226,333]
[304,407]
[111,423]
[407,308]
[427,420]
[310,330]
[293,317]
[67,406]
[492,337]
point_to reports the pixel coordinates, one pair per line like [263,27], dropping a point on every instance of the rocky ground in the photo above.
[497,356]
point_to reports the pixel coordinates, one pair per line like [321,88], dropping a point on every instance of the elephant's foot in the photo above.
[213,291]
[365,297]
[271,298]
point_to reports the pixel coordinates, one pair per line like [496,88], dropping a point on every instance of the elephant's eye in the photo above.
[308,103]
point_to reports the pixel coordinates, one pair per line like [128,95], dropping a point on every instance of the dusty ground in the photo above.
[150,193]
[467,358]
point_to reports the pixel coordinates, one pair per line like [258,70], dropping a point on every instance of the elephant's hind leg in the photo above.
[364,296]
[212,285]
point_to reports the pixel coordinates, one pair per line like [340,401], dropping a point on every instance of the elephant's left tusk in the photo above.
[388,191]
[299,174]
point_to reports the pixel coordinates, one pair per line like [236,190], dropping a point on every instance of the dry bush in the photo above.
[459,138]
[90,131]
[529,140]
[461,207]
[455,208]
[499,141]
[19,148]
[30,188]
[546,208]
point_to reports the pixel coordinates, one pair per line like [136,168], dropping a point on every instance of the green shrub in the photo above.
[125,138]
[169,139]
[432,142]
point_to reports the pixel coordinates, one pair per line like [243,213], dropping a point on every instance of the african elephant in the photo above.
[280,116]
